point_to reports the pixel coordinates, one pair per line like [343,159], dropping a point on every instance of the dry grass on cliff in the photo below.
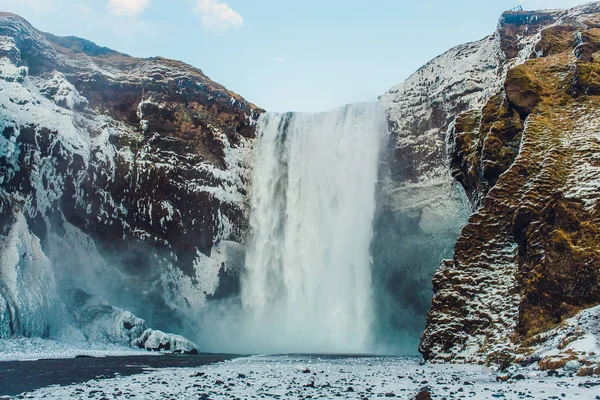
[560,267]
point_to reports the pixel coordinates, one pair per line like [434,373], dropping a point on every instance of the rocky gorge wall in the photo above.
[125,178]
[517,114]
[422,209]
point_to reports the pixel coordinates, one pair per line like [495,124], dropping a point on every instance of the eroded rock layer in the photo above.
[125,177]
[528,158]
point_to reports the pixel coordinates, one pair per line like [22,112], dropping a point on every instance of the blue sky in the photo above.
[300,55]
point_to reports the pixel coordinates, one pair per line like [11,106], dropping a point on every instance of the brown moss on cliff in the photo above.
[500,146]
[559,244]
[529,257]
[585,79]
[561,267]
[557,238]
[557,39]
[524,89]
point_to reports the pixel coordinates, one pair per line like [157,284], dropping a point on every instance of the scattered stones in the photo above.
[278,377]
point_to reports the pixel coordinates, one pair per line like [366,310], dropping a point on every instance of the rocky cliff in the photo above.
[518,115]
[120,177]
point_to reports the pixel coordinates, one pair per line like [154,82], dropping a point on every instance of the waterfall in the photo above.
[307,282]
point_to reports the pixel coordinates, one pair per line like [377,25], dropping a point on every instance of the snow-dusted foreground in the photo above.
[296,377]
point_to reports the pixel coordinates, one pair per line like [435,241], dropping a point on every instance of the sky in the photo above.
[282,55]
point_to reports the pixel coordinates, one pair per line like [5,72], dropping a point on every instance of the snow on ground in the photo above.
[302,377]
[22,349]
[574,344]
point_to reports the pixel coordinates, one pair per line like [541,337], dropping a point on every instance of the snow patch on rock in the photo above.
[574,345]
[159,341]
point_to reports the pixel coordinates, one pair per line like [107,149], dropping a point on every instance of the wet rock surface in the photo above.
[25,376]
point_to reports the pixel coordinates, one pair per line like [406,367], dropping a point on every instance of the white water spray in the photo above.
[307,284]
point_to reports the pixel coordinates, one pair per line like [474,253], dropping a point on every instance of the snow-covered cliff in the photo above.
[422,207]
[120,178]
[516,114]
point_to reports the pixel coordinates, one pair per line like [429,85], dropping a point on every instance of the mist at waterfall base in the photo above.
[307,286]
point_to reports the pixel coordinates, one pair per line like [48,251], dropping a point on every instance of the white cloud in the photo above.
[128,8]
[217,15]
[279,59]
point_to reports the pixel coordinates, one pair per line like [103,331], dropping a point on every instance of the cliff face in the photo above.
[520,120]
[422,209]
[126,177]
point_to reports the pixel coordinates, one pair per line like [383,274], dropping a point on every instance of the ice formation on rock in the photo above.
[98,215]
